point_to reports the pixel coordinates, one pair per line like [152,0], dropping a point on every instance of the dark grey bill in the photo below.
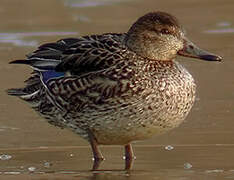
[191,50]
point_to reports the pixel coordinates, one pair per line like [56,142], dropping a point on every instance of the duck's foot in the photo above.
[129,156]
[96,163]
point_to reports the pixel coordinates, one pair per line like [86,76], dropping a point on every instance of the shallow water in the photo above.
[203,146]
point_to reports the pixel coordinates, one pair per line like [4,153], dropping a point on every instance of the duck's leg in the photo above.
[129,156]
[97,155]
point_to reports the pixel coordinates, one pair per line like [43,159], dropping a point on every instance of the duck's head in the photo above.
[159,36]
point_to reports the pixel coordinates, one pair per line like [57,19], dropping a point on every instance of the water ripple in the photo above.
[17,39]
[222,27]
[219,31]
[89,3]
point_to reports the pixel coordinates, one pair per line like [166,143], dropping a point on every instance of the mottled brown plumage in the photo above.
[115,88]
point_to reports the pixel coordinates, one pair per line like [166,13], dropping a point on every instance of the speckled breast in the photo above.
[159,99]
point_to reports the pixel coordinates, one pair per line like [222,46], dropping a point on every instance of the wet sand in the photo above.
[203,145]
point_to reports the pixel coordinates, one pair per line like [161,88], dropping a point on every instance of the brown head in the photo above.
[159,36]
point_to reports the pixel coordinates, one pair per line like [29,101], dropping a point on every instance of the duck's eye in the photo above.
[165,31]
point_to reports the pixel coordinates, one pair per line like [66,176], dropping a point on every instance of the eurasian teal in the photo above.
[112,89]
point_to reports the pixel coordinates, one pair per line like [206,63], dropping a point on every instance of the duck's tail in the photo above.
[38,64]
[29,93]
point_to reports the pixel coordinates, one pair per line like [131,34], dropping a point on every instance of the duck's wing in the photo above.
[72,94]
[92,53]
[77,55]
[94,74]
[78,71]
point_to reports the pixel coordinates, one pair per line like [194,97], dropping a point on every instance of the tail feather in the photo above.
[16,92]
[33,84]
[43,61]
[39,64]
[32,98]
[29,89]
[19,61]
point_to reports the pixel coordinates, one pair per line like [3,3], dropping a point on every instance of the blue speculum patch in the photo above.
[51,74]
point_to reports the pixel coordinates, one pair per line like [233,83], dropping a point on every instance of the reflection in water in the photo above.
[223,27]
[5,157]
[217,31]
[107,175]
[7,128]
[224,24]
[81,18]
[18,42]
[89,3]
[187,166]
[215,171]
[17,39]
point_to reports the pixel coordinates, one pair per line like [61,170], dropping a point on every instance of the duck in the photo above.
[115,88]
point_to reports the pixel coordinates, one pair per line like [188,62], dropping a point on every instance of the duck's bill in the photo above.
[191,50]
